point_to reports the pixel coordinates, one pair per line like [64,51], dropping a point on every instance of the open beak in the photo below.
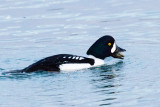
[117,53]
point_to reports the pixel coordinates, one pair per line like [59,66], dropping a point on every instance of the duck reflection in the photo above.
[107,82]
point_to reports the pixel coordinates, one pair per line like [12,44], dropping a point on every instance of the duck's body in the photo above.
[102,48]
[61,62]
[64,62]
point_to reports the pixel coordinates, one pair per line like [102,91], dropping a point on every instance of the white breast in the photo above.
[75,66]
[98,61]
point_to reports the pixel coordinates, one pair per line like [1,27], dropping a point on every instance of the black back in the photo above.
[52,63]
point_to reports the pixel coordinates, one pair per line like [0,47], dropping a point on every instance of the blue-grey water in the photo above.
[34,29]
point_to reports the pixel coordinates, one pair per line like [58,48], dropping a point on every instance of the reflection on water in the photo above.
[107,82]
[103,80]
[21,76]
[33,29]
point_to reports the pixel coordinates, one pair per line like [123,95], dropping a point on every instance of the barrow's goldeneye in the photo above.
[102,48]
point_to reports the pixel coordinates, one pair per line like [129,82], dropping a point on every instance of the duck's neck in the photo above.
[97,60]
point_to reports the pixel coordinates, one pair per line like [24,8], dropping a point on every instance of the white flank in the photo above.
[71,67]
[113,48]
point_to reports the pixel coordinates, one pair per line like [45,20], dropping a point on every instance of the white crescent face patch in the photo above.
[113,48]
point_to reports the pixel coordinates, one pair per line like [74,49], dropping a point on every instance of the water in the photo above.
[33,29]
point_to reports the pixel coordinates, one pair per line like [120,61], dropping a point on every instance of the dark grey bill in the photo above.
[117,53]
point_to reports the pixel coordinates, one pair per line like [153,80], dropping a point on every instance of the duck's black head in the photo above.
[105,47]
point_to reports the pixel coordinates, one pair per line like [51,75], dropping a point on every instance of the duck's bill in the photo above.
[118,53]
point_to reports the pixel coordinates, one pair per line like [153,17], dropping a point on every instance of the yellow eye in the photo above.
[109,44]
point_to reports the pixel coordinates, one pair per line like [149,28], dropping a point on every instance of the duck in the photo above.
[104,47]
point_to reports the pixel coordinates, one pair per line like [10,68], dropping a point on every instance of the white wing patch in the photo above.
[113,48]
[77,58]
[81,58]
[73,57]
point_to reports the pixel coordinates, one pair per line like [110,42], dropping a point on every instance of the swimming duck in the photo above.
[104,47]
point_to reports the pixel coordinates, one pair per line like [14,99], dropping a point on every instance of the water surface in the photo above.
[33,29]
